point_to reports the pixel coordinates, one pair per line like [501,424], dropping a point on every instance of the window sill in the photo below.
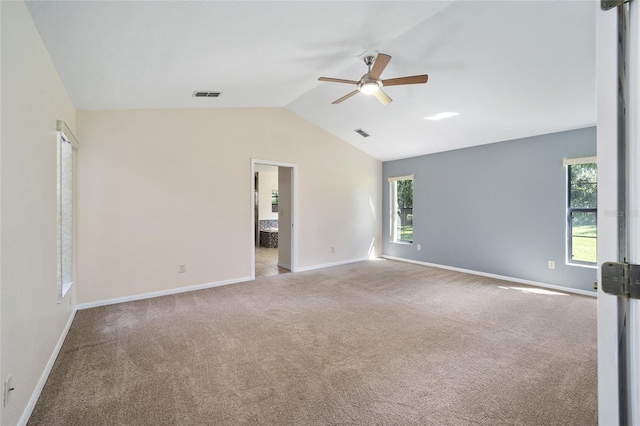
[404,243]
[65,288]
[582,265]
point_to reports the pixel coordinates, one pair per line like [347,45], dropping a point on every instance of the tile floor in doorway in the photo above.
[267,262]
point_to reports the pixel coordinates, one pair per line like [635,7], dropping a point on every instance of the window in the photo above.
[582,174]
[66,156]
[401,193]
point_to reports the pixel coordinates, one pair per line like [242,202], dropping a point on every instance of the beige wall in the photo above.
[160,188]
[33,98]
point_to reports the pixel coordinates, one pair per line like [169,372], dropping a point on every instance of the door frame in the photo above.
[293,213]
[608,306]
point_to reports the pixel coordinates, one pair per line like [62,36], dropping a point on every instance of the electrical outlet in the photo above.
[8,387]
[419,247]
[552,264]
[182,269]
[333,249]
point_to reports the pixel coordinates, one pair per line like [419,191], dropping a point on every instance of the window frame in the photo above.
[64,136]
[570,210]
[393,207]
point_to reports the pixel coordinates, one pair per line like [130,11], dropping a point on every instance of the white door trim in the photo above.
[633,112]
[606,79]
[294,212]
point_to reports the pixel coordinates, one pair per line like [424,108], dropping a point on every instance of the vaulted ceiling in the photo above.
[511,69]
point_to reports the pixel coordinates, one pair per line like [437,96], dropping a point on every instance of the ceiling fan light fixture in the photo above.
[369,88]
[442,116]
[371,84]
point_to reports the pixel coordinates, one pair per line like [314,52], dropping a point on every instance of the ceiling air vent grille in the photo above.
[362,133]
[206,94]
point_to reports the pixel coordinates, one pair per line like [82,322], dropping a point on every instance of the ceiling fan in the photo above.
[370,82]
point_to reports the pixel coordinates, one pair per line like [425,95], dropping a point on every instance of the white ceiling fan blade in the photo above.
[383,97]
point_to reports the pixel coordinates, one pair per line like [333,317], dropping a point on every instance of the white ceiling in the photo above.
[511,69]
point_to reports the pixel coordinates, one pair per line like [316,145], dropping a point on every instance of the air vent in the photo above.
[362,133]
[206,94]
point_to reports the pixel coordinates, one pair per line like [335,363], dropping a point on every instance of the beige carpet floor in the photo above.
[370,343]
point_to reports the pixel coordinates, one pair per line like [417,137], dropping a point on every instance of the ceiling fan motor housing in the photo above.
[368,86]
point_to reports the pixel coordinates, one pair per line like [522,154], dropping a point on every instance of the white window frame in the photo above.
[568,260]
[393,208]
[64,136]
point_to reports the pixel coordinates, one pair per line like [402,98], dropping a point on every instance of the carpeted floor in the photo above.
[370,343]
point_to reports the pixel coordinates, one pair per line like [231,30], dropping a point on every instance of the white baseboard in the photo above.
[161,293]
[499,277]
[203,286]
[328,265]
[45,373]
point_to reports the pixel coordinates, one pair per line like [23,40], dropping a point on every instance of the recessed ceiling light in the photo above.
[442,116]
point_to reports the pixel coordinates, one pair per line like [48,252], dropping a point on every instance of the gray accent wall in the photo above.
[497,208]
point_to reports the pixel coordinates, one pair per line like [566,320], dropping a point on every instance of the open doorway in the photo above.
[273,214]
